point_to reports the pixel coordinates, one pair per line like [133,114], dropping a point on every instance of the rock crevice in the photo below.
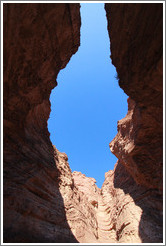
[44,202]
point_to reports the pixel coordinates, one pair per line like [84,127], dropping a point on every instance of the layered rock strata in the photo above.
[135,212]
[138,58]
[39,40]
[134,188]
[80,197]
[43,200]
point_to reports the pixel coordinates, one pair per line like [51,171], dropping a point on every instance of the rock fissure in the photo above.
[44,202]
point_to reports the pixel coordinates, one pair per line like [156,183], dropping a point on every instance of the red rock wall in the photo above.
[80,205]
[135,212]
[43,200]
[134,189]
[39,40]
[136,51]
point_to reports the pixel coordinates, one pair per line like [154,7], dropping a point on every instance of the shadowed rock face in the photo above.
[136,51]
[135,212]
[43,200]
[135,187]
[39,40]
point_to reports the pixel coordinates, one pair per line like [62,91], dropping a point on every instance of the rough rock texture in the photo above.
[135,212]
[43,200]
[87,186]
[138,58]
[134,188]
[92,194]
[39,40]
[80,209]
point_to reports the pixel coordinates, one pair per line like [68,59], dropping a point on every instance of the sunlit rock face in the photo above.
[135,187]
[87,186]
[39,40]
[135,212]
[44,202]
[80,196]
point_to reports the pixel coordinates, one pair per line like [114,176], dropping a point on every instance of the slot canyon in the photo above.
[43,201]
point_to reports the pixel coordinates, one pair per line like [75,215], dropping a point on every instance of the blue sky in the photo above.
[87,103]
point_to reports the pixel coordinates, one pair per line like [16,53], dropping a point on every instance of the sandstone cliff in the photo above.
[138,58]
[134,188]
[135,212]
[39,40]
[80,205]
[43,200]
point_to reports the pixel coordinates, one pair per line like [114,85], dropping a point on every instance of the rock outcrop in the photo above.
[138,58]
[80,205]
[44,202]
[39,40]
[135,212]
[134,188]
[87,186]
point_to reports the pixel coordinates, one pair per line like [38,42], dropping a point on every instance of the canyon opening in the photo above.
[88,102]
[43,201]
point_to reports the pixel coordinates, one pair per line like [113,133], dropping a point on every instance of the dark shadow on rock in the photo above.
[39,39]
[149,200]
[33,206]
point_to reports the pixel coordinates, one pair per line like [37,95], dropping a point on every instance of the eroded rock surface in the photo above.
[134,188]
[87,186]
[135,212]
[43,200]
[79,206]
[138,58]
[39,40]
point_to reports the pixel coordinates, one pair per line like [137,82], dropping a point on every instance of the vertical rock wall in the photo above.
[39,40]
[134,188]
[80,196]
[43,200]
[138,57]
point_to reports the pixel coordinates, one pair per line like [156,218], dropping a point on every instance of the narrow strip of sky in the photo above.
[87,103]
